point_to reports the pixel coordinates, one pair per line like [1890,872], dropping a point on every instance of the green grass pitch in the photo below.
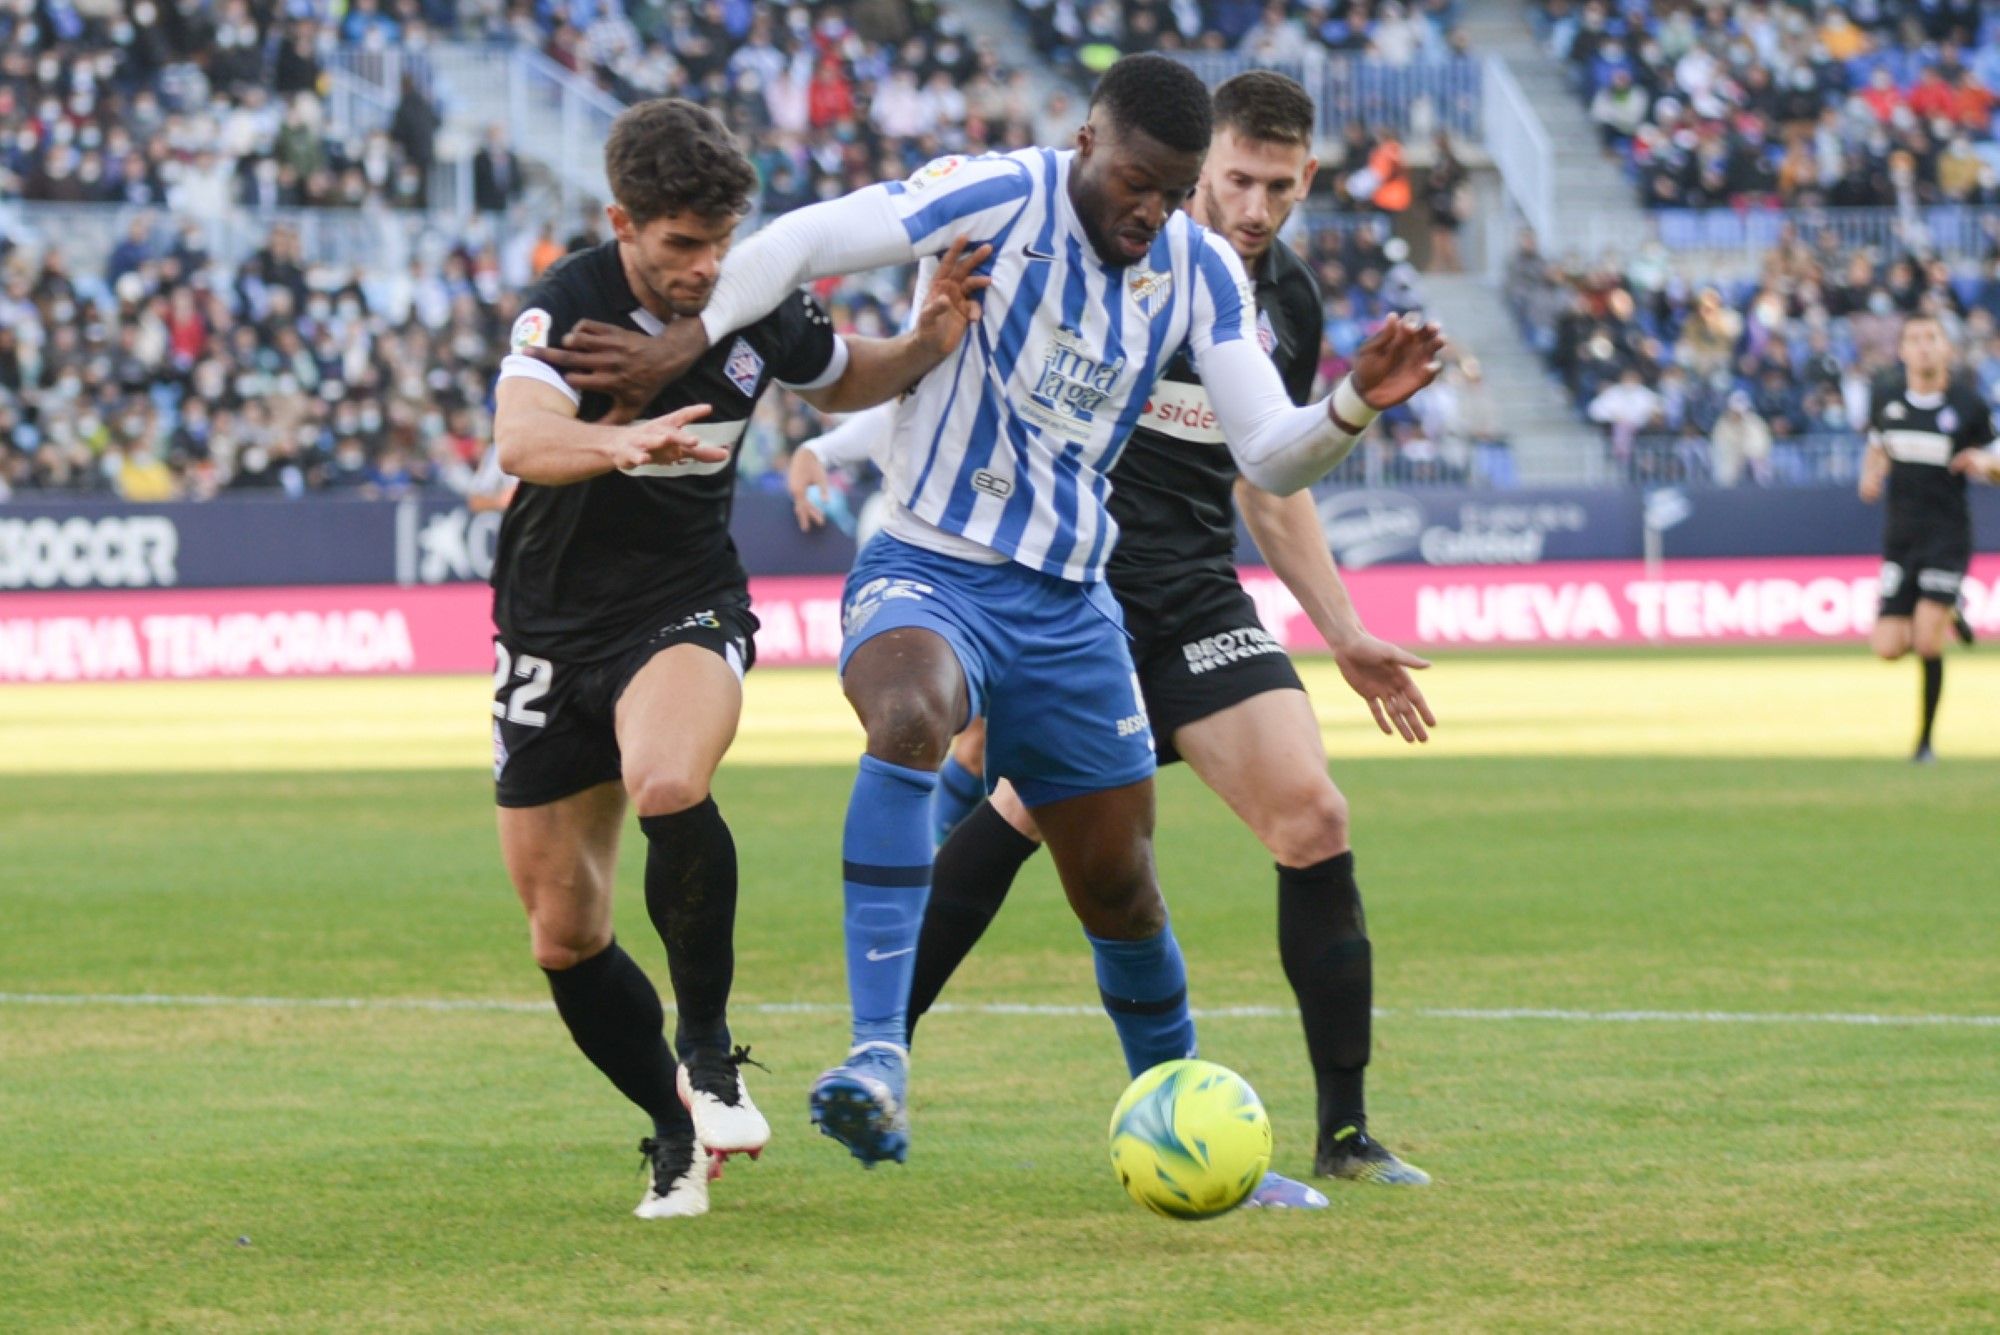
[267,1167]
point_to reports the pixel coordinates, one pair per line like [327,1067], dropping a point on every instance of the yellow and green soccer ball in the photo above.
[1190,1140]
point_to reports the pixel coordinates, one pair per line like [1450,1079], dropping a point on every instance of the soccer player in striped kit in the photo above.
[986,593]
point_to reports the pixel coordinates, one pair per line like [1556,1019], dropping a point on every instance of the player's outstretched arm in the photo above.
[1287,532]
[848,445]
[1278,445]
[540,439]
[879,369]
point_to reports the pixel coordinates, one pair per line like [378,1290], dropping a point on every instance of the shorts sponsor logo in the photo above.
[531,329]
[868,600]
[704,620]
[1940,581]
[744,368]
[1140,723]
[1892,579]
[1230,646]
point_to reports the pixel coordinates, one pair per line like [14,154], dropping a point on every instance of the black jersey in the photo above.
[1171,489]
[1922,432]
[588,569]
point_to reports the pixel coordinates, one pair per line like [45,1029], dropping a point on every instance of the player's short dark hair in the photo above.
[670,156]
[1159,97]
[1266,106]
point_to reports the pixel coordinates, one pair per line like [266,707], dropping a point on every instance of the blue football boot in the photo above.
[860,1103]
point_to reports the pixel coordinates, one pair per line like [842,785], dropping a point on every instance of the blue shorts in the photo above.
[1045,661]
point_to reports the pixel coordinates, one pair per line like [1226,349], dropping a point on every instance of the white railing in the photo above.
[1738,239]
[1522,151]
[1410,99]
[542,94]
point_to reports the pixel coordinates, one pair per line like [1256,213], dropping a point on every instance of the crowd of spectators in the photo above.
[1092,33]
[200,107]
[1765,379]
[1869,103]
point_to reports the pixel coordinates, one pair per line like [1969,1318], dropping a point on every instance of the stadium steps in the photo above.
[481,87]
[1593,197]
[1552,447]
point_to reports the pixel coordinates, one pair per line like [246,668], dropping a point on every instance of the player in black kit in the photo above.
[624,615]
[1220,691]
[1928,431]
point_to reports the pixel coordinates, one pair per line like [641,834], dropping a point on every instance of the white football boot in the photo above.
[711,1086]
[678,1173]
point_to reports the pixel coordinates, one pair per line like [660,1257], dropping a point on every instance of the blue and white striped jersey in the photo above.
[1007,446]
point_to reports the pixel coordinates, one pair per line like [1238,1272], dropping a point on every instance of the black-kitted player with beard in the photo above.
[624,614]
[1928,431]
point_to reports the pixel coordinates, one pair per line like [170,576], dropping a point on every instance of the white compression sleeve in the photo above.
[1278,445]
[847,235]
[856,439]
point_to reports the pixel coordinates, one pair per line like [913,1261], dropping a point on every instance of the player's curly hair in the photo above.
[1159,97]
[670,156]
[1265,106]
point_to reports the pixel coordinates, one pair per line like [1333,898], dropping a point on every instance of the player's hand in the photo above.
[625,365]
[1379,672]
[807,472]
[951,305]
[1977,464]
[665,440]
[1870,489]
[1404,355]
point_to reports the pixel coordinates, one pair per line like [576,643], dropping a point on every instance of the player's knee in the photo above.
[1308,826]
[911,728]
[1889,650]
[1121,904]
[662,791]
[563,942]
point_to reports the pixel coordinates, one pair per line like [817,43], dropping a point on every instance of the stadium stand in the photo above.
[1762,379]
[1872,104]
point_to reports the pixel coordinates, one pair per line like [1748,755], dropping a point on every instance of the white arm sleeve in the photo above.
[847,235]
[879,225]
[1278,445]
[855,441]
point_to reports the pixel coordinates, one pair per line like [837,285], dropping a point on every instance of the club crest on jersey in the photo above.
[1267,337]
[1948,420]
[743,368]
[531,329]
[1149,288]
[1894,412]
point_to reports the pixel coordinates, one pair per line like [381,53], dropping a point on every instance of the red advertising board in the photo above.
[358,630]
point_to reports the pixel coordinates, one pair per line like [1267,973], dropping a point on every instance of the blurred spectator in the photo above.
[1446,197]
[1625,409]
[1741,440]
[497,181]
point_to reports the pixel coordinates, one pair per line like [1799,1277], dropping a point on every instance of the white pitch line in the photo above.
[477,1004]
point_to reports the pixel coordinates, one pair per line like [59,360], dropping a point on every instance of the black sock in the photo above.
[969,882]
[1933,689]
[1323,941]
[614,1015]
[691,897]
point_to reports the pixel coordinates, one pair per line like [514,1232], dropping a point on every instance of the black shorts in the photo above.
[553,722]
[1928,566]
[1199,649]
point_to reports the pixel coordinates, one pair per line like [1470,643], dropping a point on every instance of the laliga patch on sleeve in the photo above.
[531,329]
[933,172]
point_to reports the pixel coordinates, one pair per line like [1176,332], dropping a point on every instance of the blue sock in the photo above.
[1144,988]
[886,852]
[958,792]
